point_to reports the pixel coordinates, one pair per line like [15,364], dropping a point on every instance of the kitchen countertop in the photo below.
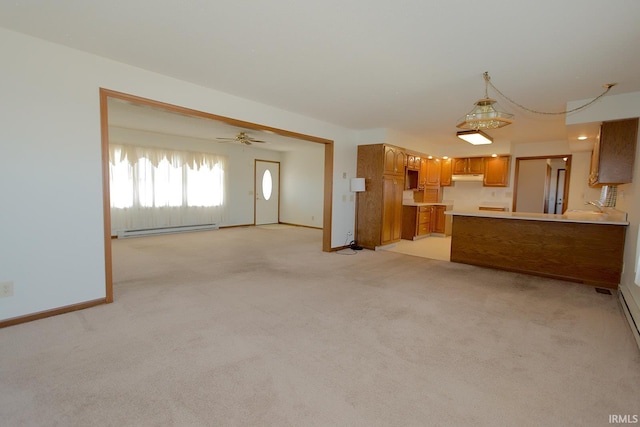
[610,217]
[410,203]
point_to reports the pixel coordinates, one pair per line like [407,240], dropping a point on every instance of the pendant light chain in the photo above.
[487,79]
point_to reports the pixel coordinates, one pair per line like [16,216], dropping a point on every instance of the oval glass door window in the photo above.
[267,185]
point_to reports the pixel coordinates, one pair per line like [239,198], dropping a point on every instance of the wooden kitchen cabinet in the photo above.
[445,172]
[432,178]
[416,222]
[496,171]
[394,160]
[413,162]
[422,221]
[614,153]
[468,165]
[379,212]
[439,219]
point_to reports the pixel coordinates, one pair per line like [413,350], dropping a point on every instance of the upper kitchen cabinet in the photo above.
[445,172]
[614,152]
[496,171]
[413,162]
[394,160]
[432,176]
[468,165]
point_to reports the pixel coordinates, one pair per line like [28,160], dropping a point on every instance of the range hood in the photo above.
[477,177]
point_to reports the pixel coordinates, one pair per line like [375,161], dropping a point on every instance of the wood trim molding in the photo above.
[328,197]
[54,312]
[106,201]
[202,114]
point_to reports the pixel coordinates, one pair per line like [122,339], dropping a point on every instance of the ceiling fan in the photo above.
[242,138]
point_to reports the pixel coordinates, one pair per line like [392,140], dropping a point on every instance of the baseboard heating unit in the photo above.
[165,230]
[632,314]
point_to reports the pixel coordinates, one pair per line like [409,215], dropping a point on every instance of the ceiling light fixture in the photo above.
[485,115]
[582,138]
[475,137]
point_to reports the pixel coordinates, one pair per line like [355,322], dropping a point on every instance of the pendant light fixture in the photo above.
[485,114]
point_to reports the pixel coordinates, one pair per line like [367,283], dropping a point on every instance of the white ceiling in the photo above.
[126,115]
[410,65]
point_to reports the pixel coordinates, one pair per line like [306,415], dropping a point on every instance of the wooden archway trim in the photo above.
[105,94]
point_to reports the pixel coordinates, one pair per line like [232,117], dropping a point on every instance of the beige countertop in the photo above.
[410,203]
[611,216]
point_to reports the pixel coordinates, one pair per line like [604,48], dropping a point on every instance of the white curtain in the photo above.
[157,187]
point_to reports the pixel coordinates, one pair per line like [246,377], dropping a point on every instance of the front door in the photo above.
[267,192]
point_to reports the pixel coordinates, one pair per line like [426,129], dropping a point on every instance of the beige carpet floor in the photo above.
[257,327]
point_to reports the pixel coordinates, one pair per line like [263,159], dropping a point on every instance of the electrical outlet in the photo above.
[6,289]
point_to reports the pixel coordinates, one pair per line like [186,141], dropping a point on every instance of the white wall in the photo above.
[302,186]
[50,169]
[531,185]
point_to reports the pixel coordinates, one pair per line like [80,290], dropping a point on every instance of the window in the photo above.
[159,187]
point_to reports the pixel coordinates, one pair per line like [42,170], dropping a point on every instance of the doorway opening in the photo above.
[541,184]
[106,94]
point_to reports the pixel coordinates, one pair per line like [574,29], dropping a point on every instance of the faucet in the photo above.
[598,204]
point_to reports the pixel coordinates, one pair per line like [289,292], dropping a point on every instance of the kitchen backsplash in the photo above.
[470,195]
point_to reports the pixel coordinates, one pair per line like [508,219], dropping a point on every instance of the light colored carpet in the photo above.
[432,247]
[253,327]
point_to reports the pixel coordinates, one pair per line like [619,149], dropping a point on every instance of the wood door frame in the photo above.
[255,189]
[105,94]
[566,178]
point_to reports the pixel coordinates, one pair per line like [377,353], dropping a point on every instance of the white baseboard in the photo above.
[631,312]
[165,230]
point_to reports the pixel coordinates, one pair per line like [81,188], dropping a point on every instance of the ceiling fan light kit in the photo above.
[242,138]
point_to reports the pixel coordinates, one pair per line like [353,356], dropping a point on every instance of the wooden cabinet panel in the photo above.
[564,250]
[423,172]
[496,171]
[413,162]
[416,221]
[476,165]
[433,173]
[394,160]
[459,166]
[614,153]
[468,165]
[439,219]
[379,212]
[445,172]
[391,210]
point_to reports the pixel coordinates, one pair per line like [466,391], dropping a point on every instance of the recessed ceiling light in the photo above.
[494,155]
[582,138]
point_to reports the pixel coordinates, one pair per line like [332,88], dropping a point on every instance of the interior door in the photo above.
[267,192]
[560,191]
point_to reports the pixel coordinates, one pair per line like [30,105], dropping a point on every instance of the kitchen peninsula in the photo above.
[580,246]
